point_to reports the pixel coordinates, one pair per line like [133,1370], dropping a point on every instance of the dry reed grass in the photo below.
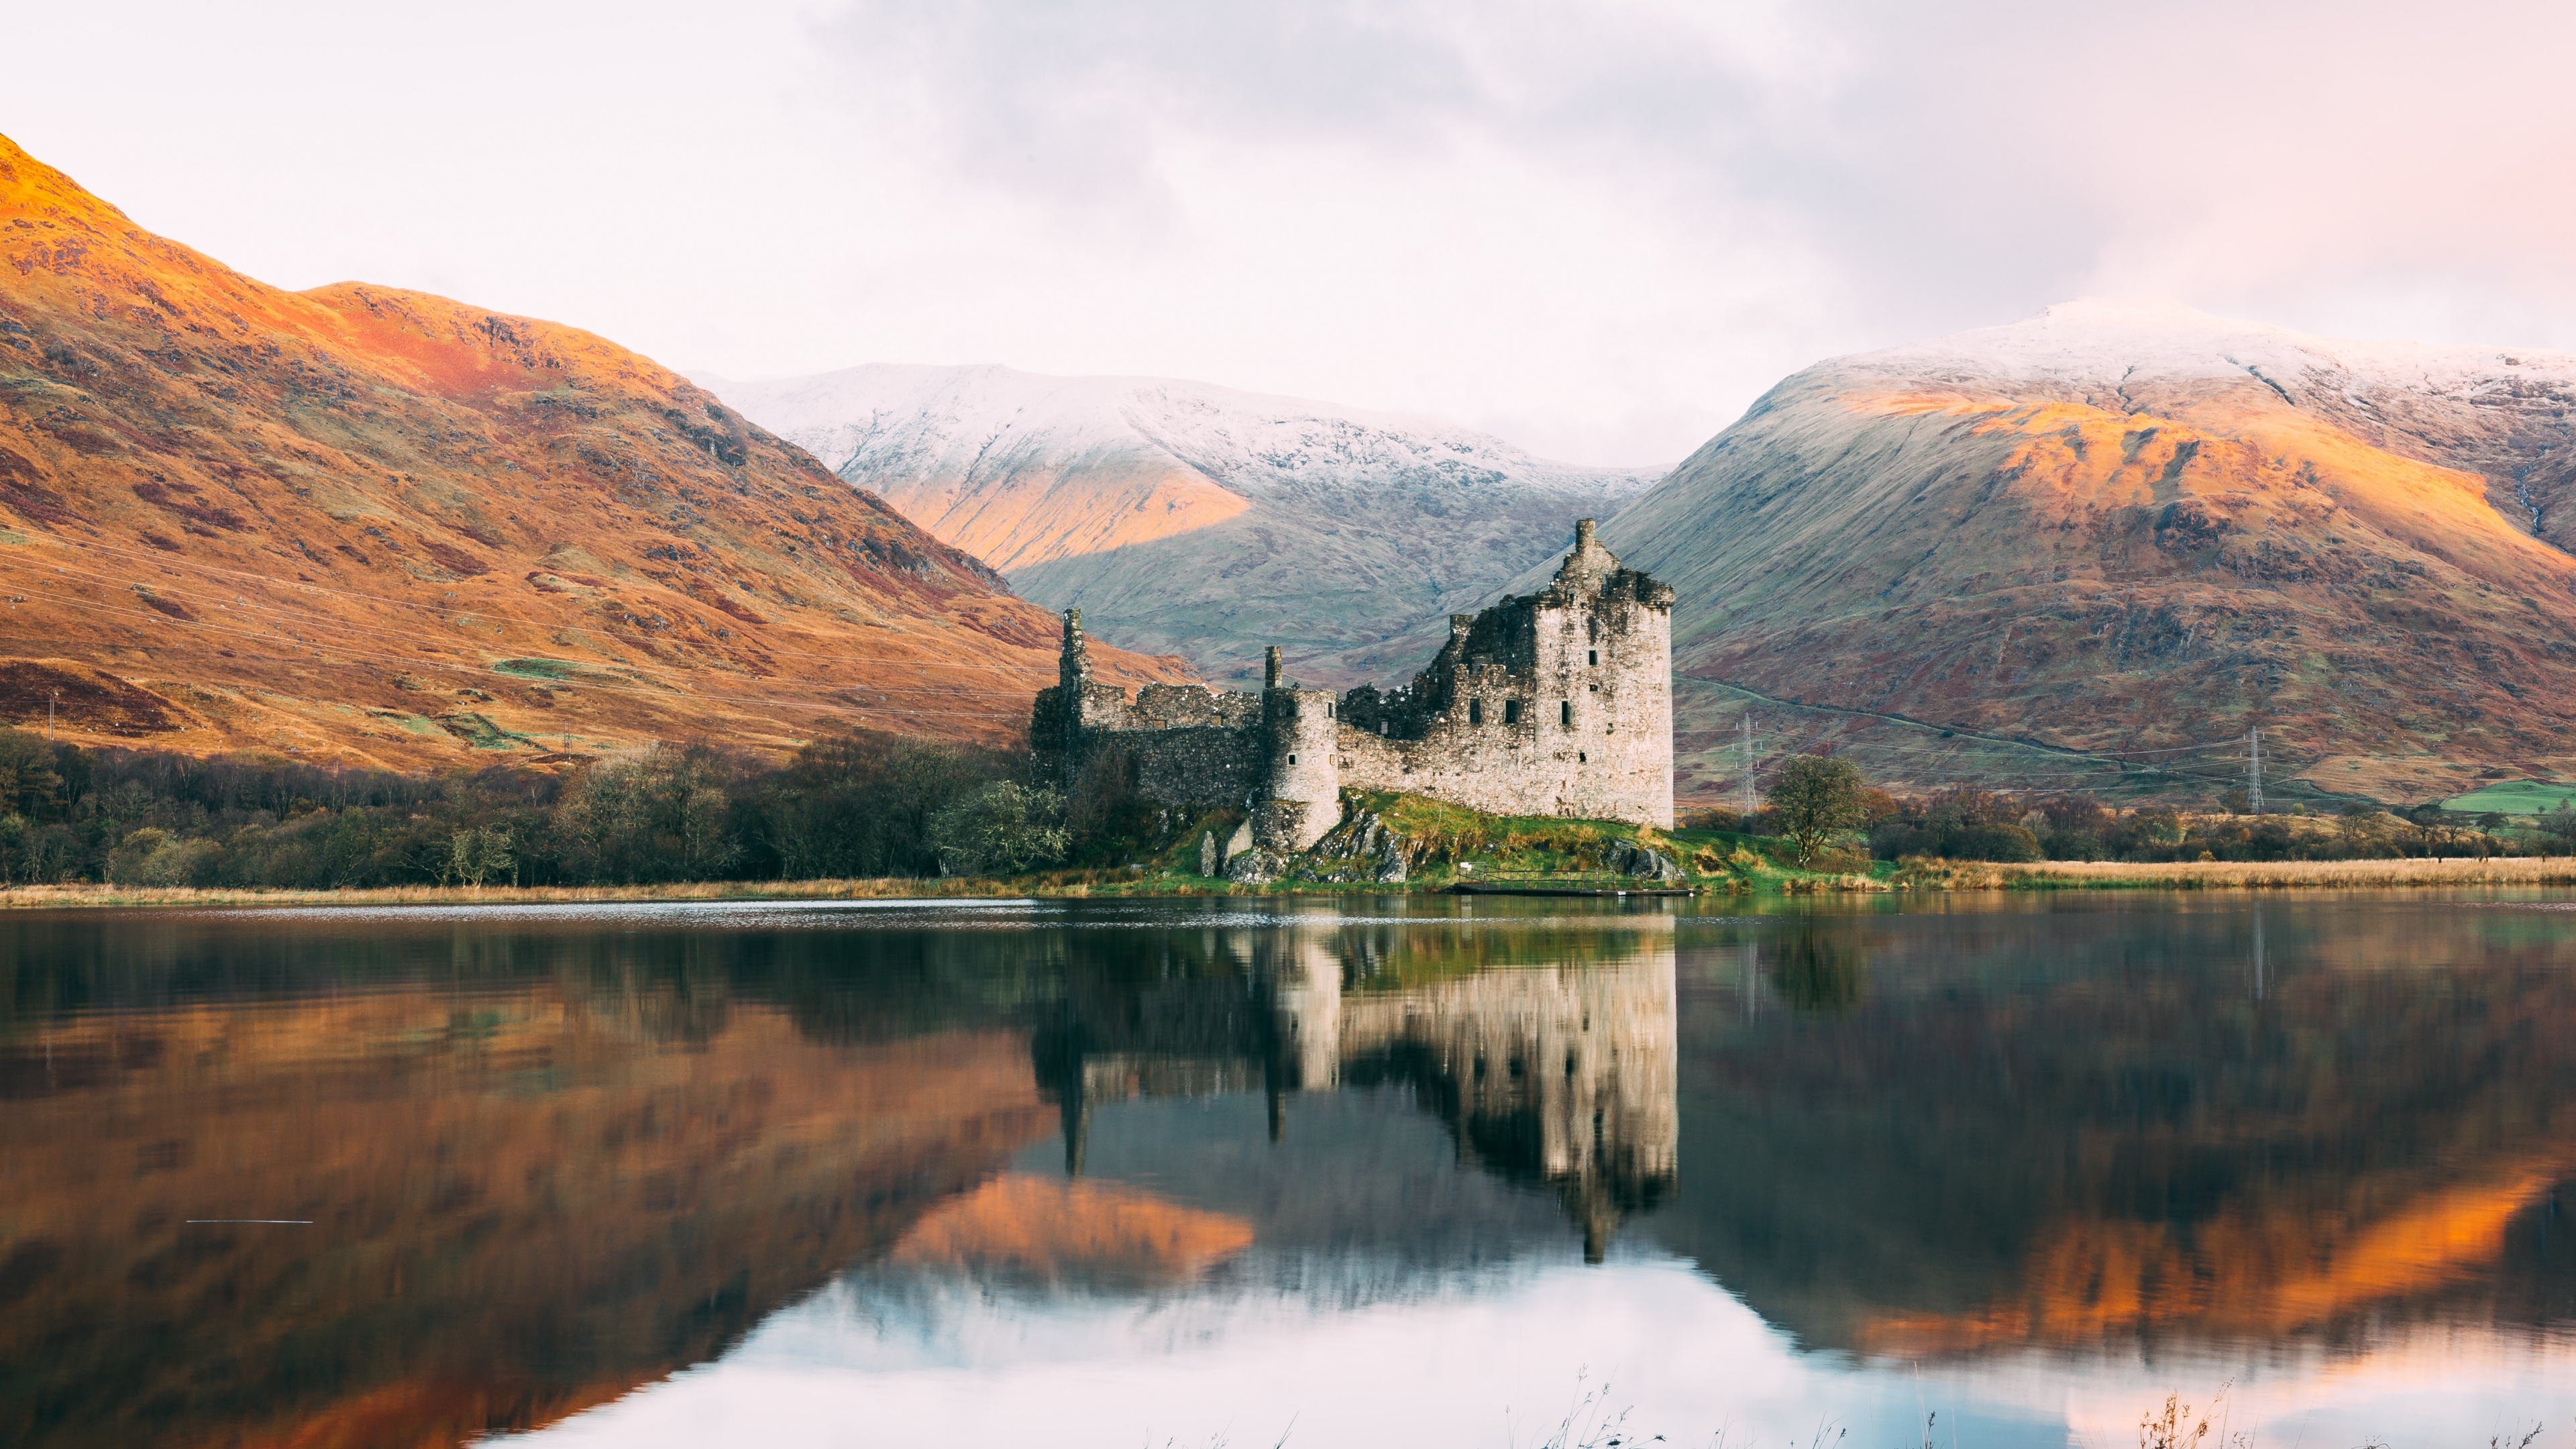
[111,896]
[2244,875]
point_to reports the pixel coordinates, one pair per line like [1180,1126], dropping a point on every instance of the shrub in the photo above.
[1960,824]
[1003,828]
[151,857]
[478,854]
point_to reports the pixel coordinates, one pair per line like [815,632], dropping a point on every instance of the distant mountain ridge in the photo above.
[2122,527]
[2499,412]
[384,528]
[1198,520]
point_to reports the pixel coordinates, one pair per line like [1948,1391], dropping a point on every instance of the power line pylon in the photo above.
[2254,771]
[1748,768]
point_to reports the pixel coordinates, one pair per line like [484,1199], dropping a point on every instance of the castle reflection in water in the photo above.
[531,1160]
[1557,1075]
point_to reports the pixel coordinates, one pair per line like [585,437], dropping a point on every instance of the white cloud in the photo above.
[1600,229]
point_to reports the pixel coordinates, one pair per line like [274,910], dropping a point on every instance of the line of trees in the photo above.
[861,803]
[858,803]
[1827,810]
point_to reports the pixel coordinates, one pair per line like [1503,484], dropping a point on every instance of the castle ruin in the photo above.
[1554,703]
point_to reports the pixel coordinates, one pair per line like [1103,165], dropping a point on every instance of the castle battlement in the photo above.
[1554,703]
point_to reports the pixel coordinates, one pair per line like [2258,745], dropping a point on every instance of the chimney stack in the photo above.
[1270,667]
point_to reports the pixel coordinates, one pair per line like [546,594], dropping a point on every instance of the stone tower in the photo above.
[1555,703]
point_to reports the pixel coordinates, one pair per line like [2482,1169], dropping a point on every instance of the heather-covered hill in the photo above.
[2124,528]
[386,528]
[1198,520]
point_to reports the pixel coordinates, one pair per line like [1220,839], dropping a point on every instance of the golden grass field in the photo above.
[2248,875]
[113,896]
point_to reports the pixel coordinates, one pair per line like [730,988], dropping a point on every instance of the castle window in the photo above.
[1580,758]
[1328,709]
[1596,689]
[1511,711]
[1292,759]
[1475,711]
[1596,656]
[1565,713]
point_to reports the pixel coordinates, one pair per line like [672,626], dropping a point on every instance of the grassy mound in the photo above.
[2512,797]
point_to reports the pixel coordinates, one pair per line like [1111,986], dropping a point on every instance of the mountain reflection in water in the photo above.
[1383,1172]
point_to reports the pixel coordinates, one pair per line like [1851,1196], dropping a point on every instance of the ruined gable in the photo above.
[1554,703]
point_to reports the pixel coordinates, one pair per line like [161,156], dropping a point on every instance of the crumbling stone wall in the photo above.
[1558,703]
[1197,769]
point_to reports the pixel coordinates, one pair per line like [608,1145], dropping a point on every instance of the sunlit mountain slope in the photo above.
[388,528]
[1194,519]
[2133,527]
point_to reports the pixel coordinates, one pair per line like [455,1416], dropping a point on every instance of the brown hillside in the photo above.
[2124,530]
[385,528]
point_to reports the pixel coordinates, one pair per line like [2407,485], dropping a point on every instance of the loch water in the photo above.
[1398,1171]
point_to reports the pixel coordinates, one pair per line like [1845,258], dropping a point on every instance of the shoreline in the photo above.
[1934,877]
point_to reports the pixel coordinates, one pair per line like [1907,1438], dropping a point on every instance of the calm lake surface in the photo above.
[1361,1171]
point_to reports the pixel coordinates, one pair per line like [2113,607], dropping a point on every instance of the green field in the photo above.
[2512,797]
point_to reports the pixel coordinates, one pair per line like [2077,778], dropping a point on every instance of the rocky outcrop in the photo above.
[1256,866]
[1630,858]
[1363,848]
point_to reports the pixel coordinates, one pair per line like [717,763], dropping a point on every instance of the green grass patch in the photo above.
[482,733]
[548,669]
[2512,797]
[1507,842]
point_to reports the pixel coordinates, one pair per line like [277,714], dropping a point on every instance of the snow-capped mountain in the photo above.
[2099,341]
[1194,519]
[2133,526]
[2500,412]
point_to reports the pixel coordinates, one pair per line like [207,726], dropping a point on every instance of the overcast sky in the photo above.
[1597,230]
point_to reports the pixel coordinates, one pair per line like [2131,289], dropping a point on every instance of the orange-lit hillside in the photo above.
[381,527]
[2367,1127]
[2246,1275]
[521,1205]
[2132,529]
[1051,1228]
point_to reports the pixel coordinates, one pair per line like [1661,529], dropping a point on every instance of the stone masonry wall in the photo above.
[1559,703]
[1195,769]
